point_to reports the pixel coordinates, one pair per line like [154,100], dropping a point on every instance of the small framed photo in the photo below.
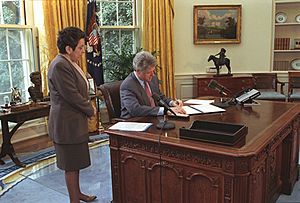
[214,24]
[296,43]
[92,86]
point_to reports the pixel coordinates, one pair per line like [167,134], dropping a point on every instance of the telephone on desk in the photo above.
[247,96]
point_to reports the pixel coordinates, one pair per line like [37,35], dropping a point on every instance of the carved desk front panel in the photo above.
[153,166]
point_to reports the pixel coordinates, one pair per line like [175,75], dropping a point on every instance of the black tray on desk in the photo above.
[215,132]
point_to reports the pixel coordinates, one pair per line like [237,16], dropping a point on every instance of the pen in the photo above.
[178,102]
[196,109]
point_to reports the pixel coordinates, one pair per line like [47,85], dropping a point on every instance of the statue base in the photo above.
[223,75]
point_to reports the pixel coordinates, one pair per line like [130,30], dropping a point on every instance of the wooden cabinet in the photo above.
[286,47]
[234,83]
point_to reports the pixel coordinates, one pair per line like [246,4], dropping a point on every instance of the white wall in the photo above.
[253,54]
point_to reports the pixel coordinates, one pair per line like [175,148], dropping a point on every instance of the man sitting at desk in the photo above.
[137,89]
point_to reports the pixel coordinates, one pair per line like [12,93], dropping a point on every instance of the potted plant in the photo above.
[119,65]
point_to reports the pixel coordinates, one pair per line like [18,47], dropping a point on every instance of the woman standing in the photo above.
[70,110]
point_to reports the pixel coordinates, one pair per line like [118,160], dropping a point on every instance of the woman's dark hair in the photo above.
[69,36]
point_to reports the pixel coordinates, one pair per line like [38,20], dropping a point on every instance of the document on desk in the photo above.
[199,101]
[130,126]
[190,111]
[204,108]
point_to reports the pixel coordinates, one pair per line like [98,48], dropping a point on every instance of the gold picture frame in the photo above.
[215,24]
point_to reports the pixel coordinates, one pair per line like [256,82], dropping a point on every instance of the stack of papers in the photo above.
[130,126]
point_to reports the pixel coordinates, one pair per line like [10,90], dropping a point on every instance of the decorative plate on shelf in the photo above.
[296,64]
[297,18]
[280,17]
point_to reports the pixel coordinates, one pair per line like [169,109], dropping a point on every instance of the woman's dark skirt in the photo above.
[72,157]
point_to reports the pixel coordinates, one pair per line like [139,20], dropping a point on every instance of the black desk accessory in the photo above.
[165,124]
[223,91]
[215,132]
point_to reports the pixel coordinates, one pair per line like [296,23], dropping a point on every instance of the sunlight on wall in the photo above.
[251,55]
[38,12]
[43,49]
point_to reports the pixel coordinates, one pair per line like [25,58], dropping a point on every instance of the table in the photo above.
[155,166]
[34,111]
[235,84]
[38,110]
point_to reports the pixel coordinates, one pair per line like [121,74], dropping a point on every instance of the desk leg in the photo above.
[7,148]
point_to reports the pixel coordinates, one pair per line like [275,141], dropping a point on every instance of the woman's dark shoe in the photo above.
[88,198]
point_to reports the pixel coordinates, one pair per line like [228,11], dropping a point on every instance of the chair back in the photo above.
[265,81]
[111,94]
[294,81]
[267,84]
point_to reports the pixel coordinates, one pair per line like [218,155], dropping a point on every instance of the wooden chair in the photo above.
[267,84]
[294,86]
[111,94]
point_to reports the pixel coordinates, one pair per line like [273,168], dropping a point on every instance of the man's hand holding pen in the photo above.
[177,103]
[178,106]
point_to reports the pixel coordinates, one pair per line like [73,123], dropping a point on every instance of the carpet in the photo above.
[10,174]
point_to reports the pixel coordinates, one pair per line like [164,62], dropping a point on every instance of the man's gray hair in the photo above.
[143,60]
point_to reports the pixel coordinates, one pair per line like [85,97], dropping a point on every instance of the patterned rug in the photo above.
[10,174]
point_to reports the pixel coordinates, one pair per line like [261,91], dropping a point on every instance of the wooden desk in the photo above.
[234,83]
[20,117]
[33,112]
[185,171]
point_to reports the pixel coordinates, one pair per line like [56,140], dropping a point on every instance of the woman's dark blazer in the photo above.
[70,105]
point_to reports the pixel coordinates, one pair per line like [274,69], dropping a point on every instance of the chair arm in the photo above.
[281,85]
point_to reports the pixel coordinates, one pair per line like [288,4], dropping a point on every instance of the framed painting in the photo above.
[214,24]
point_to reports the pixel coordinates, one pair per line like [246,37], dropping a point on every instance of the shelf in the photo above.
[287,51]
[286,2]
[287,24]
[286,35]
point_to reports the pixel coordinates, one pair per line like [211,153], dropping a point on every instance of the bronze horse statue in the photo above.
[218,64]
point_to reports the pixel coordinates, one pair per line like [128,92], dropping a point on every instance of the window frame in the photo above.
[28,51]
[135,28]
[33,57]
[28,46]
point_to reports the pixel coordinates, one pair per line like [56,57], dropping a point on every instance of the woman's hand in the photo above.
[94,112]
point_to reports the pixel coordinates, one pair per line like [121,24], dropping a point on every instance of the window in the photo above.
[119,30]
[16,50]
